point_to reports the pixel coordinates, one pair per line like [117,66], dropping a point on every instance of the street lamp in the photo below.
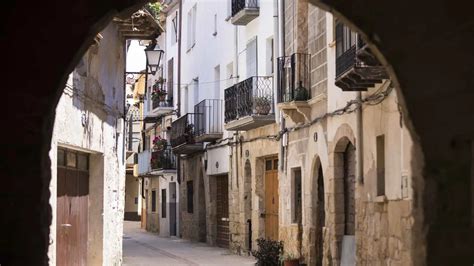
[153,58]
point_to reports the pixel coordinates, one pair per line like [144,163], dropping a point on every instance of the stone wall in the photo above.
[152,223]
[193,224]
[247,188]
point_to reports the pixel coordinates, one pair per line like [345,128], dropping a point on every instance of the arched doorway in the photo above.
[344,187]
[318,213]
[248,204]
[202,210]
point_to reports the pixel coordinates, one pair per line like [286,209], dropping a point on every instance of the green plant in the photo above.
[269,252]
[155,9]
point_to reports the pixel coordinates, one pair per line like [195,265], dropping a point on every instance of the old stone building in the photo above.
[88,152]
[345,166]
[85,155]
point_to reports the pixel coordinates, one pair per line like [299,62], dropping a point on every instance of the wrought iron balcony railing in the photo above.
[294,82]
[163,159]
[357,68]
[163,102]
[183,130]
[239,5]
[208,117]
[253,96]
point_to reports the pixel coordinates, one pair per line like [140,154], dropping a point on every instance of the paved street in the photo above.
[144,248]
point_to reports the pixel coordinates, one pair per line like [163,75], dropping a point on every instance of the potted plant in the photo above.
[301,93]
[189,133]
[290,259]
[268,253]
[158,92]
[263,105]
[159,143]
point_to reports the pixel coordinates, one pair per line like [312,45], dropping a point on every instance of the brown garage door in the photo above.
[222,205]
[72,208]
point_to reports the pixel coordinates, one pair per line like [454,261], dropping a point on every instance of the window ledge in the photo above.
[380,199]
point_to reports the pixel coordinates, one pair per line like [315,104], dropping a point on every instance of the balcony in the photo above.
[249,104]
[294,87]
[161,106]
[183,135]
[208,120]
[163,161]
[244,11]
[357,69]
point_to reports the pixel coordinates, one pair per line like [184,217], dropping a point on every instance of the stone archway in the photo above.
[202,210]
[392,26]
[344,191]
[318,213]
[248,205]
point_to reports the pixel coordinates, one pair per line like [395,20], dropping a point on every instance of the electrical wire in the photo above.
[350,107]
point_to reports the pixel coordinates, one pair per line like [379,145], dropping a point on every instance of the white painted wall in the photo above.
[98,79]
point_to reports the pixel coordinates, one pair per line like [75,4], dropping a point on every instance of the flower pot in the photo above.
[293,262]
[162,98]
[263,109]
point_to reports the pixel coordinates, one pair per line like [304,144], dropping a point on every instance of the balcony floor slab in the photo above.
[250,122]
[244,16]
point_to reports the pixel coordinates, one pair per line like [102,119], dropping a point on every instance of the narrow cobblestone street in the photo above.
[144,248]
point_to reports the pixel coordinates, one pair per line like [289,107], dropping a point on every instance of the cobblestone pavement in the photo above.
[144,248]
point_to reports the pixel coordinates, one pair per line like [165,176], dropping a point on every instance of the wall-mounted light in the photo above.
[153,57]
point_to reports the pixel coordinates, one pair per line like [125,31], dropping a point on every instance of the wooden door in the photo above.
[271,198]
[72,208]
[222,213]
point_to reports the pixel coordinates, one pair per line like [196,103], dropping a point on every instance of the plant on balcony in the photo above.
[155,162]
[301,93]
[189,133]
[269,252]
[263,105]
[159,143]
[158,92]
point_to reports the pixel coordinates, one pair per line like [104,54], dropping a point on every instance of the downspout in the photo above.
[236,75]
[360,135]
[178,89]
[360,141]
[281,52]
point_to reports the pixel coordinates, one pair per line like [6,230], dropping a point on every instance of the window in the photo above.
[190,196]
[217,84]
[345,38]
[251,52]
[163,203]
[174,31]
[270,54]
[136,200]
[297,191]
[380,146]
[215,25]
[153,201]
[192,27]
[170,81]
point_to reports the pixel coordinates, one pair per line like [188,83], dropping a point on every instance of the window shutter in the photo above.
[252,58]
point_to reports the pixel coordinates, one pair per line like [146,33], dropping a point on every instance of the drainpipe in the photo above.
[281,52]
[276,41]
[360,142]
[178,90]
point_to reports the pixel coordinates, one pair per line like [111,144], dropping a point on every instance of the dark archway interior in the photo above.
[428,45]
